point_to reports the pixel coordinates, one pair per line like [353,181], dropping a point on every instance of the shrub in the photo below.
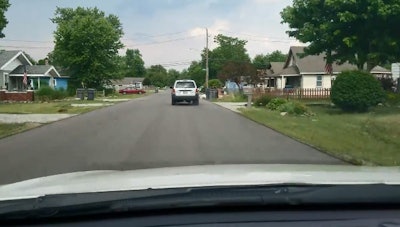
[293,108]
[275,103]
[215,83]
[262,100]
[47,93]
[393,98]
[356,91]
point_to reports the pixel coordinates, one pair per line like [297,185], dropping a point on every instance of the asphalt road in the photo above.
[144,133]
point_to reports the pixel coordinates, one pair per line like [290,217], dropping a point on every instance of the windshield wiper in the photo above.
[152,199]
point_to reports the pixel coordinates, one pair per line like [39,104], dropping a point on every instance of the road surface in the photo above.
[144,133]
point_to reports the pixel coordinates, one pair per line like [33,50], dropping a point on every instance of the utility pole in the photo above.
[207,58]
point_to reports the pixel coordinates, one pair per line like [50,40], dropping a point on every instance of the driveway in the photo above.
[144,133]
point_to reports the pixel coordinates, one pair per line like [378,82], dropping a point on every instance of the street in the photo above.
[144,133]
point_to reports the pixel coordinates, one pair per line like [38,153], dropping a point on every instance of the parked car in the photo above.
[185,90]
[132,90]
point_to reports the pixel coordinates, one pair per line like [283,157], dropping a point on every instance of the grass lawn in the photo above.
[371,138]
[63,106]
[232,98]
[10,129]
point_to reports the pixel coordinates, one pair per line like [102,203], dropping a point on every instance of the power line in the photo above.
[159,35]
[255,35]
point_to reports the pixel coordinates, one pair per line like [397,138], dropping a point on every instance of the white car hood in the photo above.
[198,176]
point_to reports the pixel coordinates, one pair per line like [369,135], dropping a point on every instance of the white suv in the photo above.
[185,90]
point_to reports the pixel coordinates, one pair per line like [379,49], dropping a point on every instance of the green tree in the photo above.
[157,75]
[238,72]
[229,49]
[360,32]
[172,75]
[134,64]
[86,45]
[196,72]
[42,61]
[4,4]
[146,81]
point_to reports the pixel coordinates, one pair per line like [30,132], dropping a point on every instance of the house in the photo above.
[309,71]
[38,75]
[13,65]
[266,75]
[128,82]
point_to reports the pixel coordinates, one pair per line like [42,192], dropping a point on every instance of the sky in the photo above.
[167,32]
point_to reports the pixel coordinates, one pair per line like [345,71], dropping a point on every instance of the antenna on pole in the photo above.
[207,58]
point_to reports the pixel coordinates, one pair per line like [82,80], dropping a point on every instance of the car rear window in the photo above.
[185,85]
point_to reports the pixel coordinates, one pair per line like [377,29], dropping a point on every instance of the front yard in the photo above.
[371,138]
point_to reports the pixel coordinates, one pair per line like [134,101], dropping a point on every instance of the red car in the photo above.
[132,90]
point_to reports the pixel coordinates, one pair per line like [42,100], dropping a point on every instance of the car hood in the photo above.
[198,176]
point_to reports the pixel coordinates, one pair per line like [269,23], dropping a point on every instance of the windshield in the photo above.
[185,85]
[310,87]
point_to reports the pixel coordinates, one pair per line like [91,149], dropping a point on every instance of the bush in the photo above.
[48,93]
[293,108]
[356,91]
[215,83]
[393,98]
[262,100]
[275,103]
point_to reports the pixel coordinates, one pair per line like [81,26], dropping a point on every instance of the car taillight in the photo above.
[197,90]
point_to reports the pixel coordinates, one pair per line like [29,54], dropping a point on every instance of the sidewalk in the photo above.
[37,118]
[234,106]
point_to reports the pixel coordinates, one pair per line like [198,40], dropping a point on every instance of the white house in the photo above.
[309,71]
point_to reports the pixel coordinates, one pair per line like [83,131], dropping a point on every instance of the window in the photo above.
[185,85]
[319,81]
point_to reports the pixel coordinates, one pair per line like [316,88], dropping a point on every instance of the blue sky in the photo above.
[167,32]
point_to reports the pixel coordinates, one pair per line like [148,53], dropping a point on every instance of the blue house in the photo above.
[39,76]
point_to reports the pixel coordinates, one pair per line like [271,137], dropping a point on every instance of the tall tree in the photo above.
[172,75]
[4,4]
[134,64]
[197,73]
[86,45]
[263,61]
[360,32]
[157,75]
[229,49]
[238,72]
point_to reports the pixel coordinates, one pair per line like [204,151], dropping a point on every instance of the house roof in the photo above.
[8,55]
[127,80]
[35,69]
[277,66]
[313,63]
[379,69]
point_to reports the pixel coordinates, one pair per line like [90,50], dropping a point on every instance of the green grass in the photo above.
[371,138]
[11,129]
[233,98]
[60,106]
